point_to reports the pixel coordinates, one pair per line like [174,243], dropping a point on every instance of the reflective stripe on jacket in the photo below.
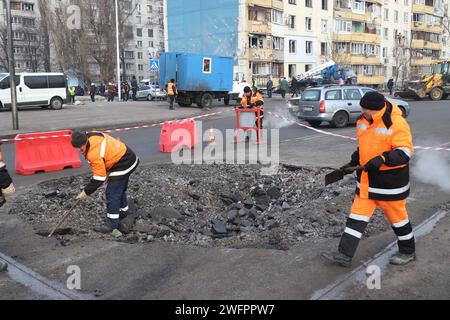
[108,157]
[388,135]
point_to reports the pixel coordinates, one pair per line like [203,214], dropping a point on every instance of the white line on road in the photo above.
[356,279]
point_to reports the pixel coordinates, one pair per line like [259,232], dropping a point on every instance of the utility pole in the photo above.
[12,66]
[119,85]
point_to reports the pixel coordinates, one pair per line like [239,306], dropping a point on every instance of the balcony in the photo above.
[259,27]
[422,26]
[420,62]
[423,44]
[419,8]
[360,17]
[357,37]
[370,80]
[262,3]
[361,59]
[261,55]
[278,55]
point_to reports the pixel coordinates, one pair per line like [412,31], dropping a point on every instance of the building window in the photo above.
[292,1]
[292,69]
[308,47]
[140,55]
[385,52]
[291,22]
[150,33]
[324,4]
[342,26]
[206,65]
[308,24]
[277,17]
[386,14]
[308,3]
[139,44]
[278,43]
[396,16]
[140,67]
[324,26]
[406,17]
[139,32]
[358,6]
[308,67]
[292,46]
[386,33]
[323,49]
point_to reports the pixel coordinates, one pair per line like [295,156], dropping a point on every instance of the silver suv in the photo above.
[338,105]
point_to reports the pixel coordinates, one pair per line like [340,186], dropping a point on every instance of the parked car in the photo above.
[150,93]
[35,90]
[338,105]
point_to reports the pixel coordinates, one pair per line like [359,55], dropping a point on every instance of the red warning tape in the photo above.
[342,136]
[12,140]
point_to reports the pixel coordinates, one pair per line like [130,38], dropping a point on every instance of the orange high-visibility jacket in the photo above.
[253,100]
[171,89]
[108,157]
[388,135]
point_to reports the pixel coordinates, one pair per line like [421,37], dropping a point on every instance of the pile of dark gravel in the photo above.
[206,205]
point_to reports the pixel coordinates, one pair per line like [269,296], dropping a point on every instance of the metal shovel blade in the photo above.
[334,176]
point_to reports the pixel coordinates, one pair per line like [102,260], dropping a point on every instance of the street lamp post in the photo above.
[12,69]
[119,85]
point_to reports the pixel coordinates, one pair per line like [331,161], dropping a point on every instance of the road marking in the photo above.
[357,277]
[38,284]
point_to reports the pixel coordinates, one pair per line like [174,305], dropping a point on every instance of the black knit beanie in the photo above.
[79,139]
[373,101]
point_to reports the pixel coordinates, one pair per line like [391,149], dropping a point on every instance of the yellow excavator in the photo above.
[435,85]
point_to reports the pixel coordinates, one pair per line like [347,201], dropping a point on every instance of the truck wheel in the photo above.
[340,120]
[436,94]
[56,103]
[206,101]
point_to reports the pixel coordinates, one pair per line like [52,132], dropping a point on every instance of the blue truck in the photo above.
[200,78]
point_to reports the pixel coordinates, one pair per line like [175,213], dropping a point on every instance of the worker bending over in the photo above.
[385,150]
[7,186]
[112,162]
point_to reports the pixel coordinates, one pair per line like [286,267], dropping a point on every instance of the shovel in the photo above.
[339,174]
[63,219]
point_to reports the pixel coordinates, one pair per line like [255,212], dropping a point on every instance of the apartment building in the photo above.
[29,43]
[308,40]
[396,39]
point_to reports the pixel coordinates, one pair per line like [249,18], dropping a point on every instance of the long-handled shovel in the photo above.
[63,219]
[339,174]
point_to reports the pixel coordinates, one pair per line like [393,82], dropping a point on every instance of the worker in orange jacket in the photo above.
[385,150]
[7,187]
[251,99]
[112,162]
[172,92]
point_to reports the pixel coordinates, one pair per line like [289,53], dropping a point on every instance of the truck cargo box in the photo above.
[197,72]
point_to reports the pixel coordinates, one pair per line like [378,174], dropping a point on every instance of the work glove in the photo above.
[82,196]
[374,164]
[9,191]
[347,169]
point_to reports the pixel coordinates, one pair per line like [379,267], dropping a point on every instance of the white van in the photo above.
[35,89]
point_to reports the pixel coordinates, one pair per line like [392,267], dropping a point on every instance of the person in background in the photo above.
[72,92]
[294,87]
[134,87]
[111,92]
[102,89]
[92,91]
[269,88]
[284,86]
[171,92]
[390,86]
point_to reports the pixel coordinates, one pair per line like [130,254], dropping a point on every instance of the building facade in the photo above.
[30,40]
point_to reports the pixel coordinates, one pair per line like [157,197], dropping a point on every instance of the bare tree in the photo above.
[4,57]
[94,42]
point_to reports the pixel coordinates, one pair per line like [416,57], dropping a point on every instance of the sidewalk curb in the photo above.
[111,126]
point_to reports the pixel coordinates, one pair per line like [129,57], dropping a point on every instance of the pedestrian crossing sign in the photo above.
[154,65]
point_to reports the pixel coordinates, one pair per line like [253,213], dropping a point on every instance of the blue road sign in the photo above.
[154,65]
